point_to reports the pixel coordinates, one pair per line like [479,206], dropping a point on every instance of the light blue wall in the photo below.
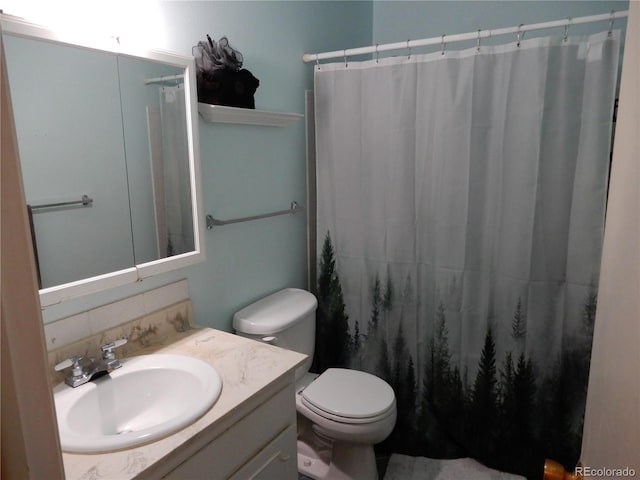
[248,170]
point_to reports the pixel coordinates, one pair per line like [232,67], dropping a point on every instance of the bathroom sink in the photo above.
[149,397]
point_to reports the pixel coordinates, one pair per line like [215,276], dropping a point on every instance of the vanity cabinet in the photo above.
[261,445]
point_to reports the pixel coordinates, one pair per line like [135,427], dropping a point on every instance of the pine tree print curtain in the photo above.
[461,202]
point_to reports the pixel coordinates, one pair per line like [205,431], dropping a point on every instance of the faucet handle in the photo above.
[71,362]
[107,348]
[78,374]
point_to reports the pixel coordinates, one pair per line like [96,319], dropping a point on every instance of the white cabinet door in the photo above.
[246,439]
[277,461]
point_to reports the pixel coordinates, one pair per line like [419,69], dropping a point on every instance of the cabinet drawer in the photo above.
[219,459]
[277,461]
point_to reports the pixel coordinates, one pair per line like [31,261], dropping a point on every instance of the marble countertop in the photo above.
[251,372]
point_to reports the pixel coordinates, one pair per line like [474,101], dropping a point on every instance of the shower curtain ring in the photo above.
[520,34]
[346,64]
[478,46]
[377,54]
[566,29]
[408,48]
[610,32]
[443,44]
[317,62]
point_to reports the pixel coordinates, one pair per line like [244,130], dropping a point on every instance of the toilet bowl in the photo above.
[342,413]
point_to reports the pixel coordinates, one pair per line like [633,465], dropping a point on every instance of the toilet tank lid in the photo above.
[275,312]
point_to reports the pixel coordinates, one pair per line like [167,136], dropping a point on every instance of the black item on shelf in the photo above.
[221,80]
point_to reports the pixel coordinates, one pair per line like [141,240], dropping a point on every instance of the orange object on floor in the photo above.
[555,471]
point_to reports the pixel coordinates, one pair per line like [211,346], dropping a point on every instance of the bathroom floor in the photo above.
[382,460]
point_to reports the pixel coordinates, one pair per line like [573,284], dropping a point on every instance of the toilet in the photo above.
[341,413]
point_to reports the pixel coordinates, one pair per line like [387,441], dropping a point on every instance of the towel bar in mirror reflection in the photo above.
[85,201]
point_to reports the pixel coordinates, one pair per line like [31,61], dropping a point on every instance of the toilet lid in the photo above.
[349,394]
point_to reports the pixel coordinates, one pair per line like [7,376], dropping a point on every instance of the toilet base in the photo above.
[337,461]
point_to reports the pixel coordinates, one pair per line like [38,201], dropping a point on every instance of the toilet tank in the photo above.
[286,318]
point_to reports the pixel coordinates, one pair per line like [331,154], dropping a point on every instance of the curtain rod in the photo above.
[478,35]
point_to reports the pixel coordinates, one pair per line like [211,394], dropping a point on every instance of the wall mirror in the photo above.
[107,138]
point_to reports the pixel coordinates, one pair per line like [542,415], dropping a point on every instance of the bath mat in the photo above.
[403,467]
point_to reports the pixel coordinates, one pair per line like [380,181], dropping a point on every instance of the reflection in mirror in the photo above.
[157,158]
[69,129]
[115,130]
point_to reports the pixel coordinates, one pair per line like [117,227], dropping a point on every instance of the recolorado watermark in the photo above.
[605,472]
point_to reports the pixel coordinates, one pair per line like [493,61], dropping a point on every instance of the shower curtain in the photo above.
[176,185]
[461,201]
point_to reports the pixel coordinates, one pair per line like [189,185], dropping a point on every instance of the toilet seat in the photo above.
[349,396]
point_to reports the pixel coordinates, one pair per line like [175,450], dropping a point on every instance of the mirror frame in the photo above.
[57,294]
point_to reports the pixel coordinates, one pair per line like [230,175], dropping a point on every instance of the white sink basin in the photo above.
[149,397]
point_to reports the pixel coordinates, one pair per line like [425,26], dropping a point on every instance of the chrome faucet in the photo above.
[80,374]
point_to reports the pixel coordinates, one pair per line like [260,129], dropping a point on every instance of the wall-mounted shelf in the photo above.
[246,116]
